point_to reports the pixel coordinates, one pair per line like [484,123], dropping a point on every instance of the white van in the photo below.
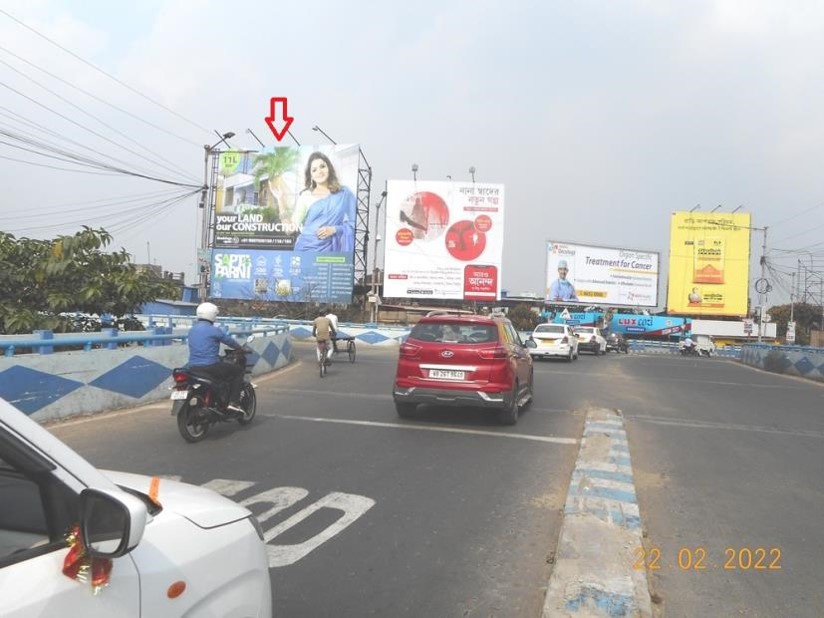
[175,549]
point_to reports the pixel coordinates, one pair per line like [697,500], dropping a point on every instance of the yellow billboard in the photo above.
[709,264]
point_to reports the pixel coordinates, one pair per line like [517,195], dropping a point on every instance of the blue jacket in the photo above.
[204,343]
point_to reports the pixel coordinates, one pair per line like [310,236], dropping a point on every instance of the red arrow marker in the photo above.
[279,123]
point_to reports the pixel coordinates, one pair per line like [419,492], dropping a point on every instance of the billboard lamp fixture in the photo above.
[716,208]
[697,206]
[737,208]
[472,173]
[415,171]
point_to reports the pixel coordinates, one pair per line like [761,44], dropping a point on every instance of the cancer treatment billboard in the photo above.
[587,275]
[709,263]
[444,240]
[284,224]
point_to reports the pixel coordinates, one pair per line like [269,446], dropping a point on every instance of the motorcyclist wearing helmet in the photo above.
[204,353]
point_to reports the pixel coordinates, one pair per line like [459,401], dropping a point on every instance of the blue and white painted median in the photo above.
[594,571]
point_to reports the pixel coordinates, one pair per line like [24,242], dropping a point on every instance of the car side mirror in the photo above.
[112,522]
[530,343]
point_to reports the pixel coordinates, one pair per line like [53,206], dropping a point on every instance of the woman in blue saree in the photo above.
[325,209]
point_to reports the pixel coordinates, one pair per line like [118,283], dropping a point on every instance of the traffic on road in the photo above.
[446,512]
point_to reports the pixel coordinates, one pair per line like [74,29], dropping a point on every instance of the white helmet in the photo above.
[207,311]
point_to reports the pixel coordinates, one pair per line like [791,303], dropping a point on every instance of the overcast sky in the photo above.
[601,118]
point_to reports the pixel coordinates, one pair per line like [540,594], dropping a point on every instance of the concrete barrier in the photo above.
[63,384]
[805,362]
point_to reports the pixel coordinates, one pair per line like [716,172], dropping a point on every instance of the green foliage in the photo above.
[274,164]
[523,318]
[40,279]
[806,316]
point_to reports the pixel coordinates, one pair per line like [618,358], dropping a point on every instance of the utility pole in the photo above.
[792,299]
[205,204]
[373,312]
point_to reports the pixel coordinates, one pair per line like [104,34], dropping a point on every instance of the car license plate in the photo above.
[447,374]
[547,342]
[180,394]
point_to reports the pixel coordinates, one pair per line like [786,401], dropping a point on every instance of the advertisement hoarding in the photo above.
[709,263]
[591,275]
[444,240]
[284,224]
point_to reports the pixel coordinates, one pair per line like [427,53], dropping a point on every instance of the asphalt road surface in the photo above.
[449,514]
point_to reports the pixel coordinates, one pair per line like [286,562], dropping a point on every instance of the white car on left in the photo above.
[173,549]
[554,341]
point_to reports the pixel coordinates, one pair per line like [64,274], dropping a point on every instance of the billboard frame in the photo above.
[600,246]
[362,198]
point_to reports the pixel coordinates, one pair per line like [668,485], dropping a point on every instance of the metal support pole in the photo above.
[204,230]
[761,297]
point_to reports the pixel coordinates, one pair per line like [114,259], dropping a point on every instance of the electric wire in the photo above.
[92,205]
[80,125]
[155,155]
[96,68]
[99,99]
[89,161]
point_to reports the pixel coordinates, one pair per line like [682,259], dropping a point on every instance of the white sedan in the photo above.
[590,339]
[554,340]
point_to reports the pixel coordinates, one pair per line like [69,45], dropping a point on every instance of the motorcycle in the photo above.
[199,401]
[694,351]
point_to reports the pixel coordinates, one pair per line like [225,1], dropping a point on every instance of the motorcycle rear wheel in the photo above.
[248,401]
[191,424]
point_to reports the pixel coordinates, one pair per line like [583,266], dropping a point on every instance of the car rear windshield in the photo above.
[557,329]
[587,331]
[454,333]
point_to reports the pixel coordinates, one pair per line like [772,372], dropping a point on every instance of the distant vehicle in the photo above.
[617,342]
[590,339]
[554,341]
[471,361]
[172,549]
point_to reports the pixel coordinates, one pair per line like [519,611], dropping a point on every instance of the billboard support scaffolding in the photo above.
[364,192]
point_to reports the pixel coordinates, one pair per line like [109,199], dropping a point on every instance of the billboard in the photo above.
[444,240]
[709,263]
[590,275]
[284,224]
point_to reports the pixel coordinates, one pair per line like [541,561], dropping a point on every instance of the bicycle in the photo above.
[323,352]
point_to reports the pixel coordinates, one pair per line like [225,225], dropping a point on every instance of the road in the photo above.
[449,514]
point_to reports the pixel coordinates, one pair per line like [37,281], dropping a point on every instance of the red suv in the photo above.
[464,361]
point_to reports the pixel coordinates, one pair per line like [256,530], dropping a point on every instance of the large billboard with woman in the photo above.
[284,224]
[444,240]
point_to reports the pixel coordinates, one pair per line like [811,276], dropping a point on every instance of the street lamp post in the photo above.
[373,313]
[207,210]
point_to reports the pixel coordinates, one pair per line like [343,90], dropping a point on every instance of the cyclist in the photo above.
[333,320]
[323,330]
[204,353]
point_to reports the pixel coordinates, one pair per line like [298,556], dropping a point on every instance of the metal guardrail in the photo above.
[45,342]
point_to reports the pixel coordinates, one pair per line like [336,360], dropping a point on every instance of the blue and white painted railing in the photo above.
[54,384]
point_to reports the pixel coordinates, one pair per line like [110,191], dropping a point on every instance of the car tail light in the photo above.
[409,350]
[496,353]
[592,340]
[565,339]
[180,377]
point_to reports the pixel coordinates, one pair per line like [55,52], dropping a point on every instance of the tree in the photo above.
[806,318]
[523,318]
[40,279]
[272,165]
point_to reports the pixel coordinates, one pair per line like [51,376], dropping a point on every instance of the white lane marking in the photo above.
[279,499]
[474,432]
[335,394]
[352,506]
[227,487]
[672,422]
